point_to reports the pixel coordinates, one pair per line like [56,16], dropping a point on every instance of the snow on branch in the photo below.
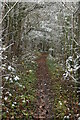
[9,11]
[3,49]
[76,42]
[7,47]
[67,7]
[6,5]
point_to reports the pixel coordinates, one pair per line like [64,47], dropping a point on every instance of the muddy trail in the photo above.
[44,93]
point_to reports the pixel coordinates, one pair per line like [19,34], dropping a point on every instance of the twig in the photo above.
[6,5]
[9,46]
[8,12]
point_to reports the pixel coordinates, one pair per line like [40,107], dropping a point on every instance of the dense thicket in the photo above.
[32,26]
[28,28]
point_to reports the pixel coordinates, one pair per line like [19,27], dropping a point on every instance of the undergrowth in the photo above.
[65,103]
[19,96]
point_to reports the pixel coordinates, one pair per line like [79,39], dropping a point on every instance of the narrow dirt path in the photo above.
[44,95]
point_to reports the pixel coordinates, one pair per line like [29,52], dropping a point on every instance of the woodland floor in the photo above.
[40,94]
[56,98]
[43,105]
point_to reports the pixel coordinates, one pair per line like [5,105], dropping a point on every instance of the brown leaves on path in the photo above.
[44,95]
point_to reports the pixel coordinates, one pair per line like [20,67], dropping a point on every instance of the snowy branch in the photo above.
[8,12]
